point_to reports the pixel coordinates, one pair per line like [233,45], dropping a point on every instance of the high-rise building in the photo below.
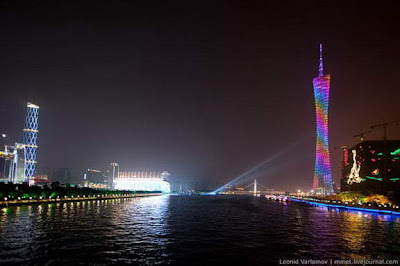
[113,174]
[63,175]
[30,138]
[364,167]
[12,164]
[322,175]
[6,167]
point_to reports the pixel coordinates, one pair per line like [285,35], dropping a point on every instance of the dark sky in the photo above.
[203,92]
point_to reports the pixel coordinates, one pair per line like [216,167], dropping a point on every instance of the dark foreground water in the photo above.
[201,230]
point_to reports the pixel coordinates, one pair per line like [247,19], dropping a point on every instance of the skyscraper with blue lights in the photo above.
[30,138]
[322,175]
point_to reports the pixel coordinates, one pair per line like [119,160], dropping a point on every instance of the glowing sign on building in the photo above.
[354,176]
[367,170]
[346,157]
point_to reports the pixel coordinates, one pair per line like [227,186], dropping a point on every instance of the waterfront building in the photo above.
[143,181]
[94,178]
[12,164]
[322,183]
[113,174]
[372,166]
[6,159]
[30,138]
[19,161]
[62,175]
[41,180]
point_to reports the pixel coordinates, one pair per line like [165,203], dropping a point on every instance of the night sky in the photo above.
[205,93]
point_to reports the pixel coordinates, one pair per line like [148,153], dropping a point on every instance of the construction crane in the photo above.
[385,155]
[384,126]
[343,148]
[361,135]
[374,127]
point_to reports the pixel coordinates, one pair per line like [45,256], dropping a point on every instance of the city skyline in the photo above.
[143,133]
[194,97]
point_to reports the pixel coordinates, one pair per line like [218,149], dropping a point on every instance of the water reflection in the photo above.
[342,234]
[93,232]
[140,230]
[190,230]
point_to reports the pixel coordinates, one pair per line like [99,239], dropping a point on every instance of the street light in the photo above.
[3,139]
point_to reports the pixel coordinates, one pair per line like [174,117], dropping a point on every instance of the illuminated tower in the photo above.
[30,138]
[322,175]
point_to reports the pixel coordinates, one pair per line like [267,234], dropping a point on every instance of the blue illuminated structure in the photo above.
[344,207]
[322,183]
[30,138]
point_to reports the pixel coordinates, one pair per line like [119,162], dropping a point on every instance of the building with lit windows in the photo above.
[12,164]
[322,183]
[94,178]
[113,174]
[18,162]
[143,181]
[365,165]
[30,138]
[6,164]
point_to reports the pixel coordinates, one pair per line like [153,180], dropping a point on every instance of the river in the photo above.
[190,230]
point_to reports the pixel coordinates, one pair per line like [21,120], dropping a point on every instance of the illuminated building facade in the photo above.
[30,138]
[364,166]
[6,164]
[143,181]
[322,174]
[12,164]
[94,178]
[113,174]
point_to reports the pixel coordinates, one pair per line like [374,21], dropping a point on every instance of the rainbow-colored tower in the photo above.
[322,175]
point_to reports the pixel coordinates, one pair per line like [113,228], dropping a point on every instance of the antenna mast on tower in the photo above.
[321,63]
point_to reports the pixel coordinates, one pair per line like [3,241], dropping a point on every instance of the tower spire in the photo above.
[321,63]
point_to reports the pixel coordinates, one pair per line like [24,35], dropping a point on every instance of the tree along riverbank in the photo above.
[12,194]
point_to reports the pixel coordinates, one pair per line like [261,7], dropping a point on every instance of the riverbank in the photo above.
[330,204]
[5,203]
